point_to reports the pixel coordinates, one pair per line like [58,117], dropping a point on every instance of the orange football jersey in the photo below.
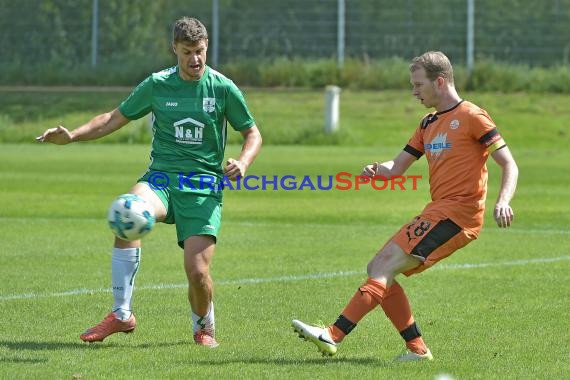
[457,143]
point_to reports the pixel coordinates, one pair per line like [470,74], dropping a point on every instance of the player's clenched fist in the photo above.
[370,170]
[234,169]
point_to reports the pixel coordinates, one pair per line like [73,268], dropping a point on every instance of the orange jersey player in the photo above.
[457,143]
[457,140]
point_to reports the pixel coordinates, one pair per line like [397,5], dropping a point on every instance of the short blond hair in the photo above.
[435,63]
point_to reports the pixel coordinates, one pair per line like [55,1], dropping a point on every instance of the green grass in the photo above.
[380,118]
[495,310]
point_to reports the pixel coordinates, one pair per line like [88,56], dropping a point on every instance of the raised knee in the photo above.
[377,263]
[382,264]
[370,267]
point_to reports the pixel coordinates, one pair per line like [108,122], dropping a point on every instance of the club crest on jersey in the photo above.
[209,104]
[454,124]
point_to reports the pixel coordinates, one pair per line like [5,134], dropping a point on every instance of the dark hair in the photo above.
[188,29]
[435,63]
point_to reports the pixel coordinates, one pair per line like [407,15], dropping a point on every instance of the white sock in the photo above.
[207,322]
[124,267]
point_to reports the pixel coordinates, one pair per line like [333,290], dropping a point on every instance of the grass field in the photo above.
[289,117]
[498,309]
[495,310]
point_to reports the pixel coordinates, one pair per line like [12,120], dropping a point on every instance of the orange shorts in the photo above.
[431,237]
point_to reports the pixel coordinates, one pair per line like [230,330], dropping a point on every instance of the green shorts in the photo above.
[194,211]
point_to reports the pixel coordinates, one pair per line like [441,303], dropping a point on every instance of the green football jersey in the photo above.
[189,119]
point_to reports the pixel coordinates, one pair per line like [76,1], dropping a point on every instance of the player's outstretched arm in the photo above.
[389,169]
[503,213]
[249,150]
[99,126]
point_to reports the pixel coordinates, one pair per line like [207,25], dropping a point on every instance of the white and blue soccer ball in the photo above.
[131,217]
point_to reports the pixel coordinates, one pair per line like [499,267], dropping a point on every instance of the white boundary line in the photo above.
[489,228]
[289,278]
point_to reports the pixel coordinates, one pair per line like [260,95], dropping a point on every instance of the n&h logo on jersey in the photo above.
[209,104]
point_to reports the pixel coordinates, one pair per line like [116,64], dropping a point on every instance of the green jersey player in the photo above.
[190,104]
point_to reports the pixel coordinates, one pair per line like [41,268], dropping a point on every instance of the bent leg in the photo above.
[388,262]
[125,263]
[126,257]
[397,308]
[144,191]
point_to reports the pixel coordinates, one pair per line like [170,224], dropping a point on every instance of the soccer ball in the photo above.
[130,217]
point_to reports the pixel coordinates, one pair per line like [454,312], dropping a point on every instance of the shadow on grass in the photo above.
[39,346]
[55,346]
[22,361]
[225,360]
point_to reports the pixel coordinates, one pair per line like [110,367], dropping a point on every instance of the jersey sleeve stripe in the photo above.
[496,146]
[413,151]
[490,137]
